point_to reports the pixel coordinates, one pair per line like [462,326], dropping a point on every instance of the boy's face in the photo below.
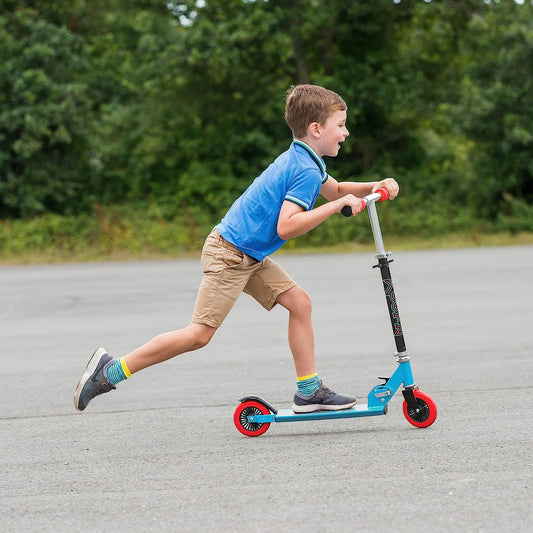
[332,133]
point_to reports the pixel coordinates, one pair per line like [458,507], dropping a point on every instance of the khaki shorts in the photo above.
[227,273]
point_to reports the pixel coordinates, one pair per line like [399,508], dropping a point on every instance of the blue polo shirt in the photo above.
[251,222]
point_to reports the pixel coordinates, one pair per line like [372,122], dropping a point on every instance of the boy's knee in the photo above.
[305,302]
[201,335]
[296,300]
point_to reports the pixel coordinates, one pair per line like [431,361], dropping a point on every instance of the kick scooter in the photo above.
[254,415]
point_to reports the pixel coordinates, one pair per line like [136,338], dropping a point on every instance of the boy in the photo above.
[276,207]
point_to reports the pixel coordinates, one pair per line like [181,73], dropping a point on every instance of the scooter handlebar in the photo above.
[347,211]
[384,194]
[380,195]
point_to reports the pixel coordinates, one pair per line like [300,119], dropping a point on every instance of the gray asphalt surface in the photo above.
[161,453]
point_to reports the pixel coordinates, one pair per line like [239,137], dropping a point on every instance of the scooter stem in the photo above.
[376,229]
[383,264]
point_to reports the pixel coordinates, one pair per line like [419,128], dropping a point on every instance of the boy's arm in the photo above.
[294,220]
[333,190]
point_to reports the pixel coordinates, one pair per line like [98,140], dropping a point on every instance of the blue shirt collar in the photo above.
[316,158]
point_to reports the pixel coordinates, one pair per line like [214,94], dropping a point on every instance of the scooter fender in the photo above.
[260,400]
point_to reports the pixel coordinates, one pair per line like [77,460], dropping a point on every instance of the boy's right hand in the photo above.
[354,203]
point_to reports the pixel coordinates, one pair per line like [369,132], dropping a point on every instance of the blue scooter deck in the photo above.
[286,415]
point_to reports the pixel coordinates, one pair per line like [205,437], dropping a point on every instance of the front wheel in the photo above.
[425,413]
[246,409]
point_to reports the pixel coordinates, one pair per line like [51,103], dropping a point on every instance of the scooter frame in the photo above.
[254,415]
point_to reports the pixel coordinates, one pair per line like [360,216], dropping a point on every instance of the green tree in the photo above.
[44,159]
[180,104]
[496,106]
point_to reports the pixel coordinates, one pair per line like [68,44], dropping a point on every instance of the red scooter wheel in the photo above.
[426,412]
[246,409]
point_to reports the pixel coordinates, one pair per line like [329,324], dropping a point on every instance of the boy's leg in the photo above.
[301,336]
[103,372]
[312,395]
[271,285]
[168,345]
[226,272]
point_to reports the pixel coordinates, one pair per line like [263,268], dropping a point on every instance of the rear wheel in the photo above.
[425,413]
[246,409]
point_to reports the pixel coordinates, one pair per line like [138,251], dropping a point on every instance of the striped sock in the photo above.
[307,385]
[118,371]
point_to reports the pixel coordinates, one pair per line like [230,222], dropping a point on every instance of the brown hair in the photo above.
[310,103]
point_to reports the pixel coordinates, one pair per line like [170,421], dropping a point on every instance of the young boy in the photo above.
[276,207]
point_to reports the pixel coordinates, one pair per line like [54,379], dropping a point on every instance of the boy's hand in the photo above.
[390,184]
[355,204]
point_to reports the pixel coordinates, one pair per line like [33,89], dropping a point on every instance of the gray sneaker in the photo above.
[94,380]
[323,399]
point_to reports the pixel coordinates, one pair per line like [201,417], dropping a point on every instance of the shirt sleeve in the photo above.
[304,188]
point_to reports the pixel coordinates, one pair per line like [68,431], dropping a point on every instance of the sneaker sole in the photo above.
[301,409]
[89,370]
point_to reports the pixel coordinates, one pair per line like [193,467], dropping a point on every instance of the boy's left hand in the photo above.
[390,184]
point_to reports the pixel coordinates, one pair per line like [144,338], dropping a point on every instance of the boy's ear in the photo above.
[314,129]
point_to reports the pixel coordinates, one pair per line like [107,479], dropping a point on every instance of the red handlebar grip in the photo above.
[384,194]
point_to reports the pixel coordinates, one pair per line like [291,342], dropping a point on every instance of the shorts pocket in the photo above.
[232,258]
[221,259]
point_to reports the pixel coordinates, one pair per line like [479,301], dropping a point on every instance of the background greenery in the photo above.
[131,125]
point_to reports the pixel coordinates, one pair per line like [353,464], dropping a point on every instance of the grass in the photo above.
[395,242]
[57,254]
[137,232]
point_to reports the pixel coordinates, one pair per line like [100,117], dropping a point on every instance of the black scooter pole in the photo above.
[383,264]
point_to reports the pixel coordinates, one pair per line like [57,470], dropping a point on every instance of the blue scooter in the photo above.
[254,415]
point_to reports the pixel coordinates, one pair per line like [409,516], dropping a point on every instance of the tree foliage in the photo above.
[43,110]
[180,103]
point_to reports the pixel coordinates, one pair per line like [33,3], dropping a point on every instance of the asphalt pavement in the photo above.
[161,452]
